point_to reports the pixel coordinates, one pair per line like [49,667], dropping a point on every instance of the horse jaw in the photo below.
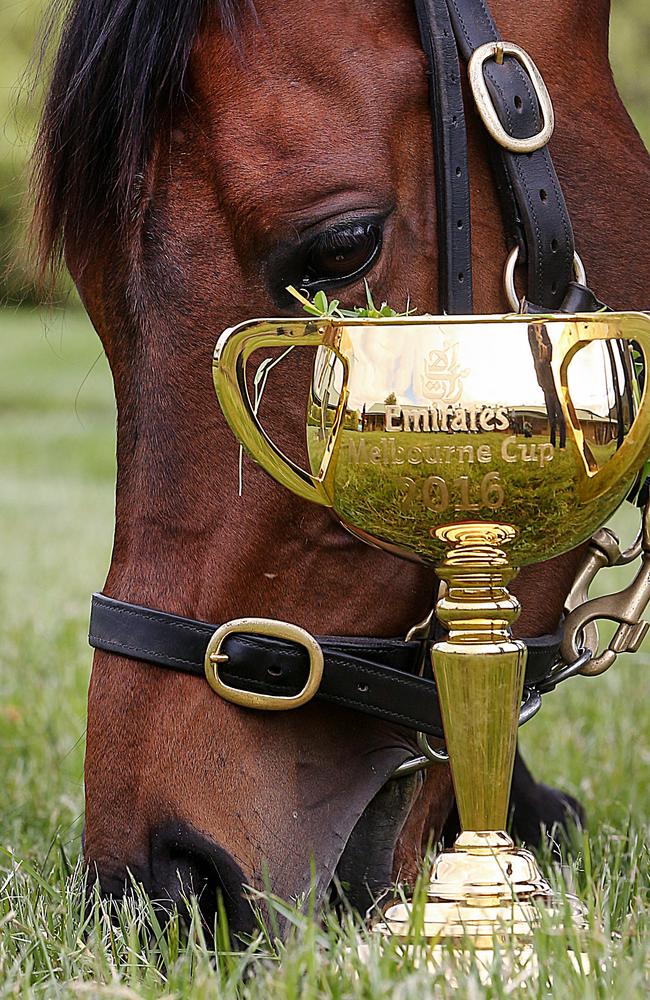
[365,868]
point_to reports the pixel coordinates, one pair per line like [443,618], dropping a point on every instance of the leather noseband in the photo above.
[379,677]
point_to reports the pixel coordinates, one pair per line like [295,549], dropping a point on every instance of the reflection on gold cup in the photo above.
[454,441]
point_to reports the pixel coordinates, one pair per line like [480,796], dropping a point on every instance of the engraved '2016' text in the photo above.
[436,494]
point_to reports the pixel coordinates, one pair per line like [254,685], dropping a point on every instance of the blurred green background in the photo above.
[19,20]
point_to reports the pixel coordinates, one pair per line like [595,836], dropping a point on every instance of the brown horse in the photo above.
[194,159]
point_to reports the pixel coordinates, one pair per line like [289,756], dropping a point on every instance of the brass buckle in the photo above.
[485,104]
[254,699]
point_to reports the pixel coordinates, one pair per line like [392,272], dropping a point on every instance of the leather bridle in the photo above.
[515,108]
[270,665]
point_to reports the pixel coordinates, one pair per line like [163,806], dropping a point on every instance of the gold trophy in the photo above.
[476,445]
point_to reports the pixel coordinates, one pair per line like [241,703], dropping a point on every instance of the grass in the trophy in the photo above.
[56,498]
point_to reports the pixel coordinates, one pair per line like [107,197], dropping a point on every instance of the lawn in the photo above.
[56,501]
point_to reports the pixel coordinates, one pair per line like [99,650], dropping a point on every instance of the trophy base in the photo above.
[485,898]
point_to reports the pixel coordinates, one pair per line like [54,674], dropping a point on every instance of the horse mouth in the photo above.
[365,869]
[182,863]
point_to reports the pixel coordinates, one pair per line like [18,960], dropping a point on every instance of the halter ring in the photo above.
[514,301]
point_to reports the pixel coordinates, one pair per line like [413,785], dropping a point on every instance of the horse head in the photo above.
[195,159]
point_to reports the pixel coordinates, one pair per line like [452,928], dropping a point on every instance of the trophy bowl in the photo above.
[420,423]
[476,445]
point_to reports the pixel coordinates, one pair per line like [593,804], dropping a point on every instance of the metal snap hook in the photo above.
[626,607]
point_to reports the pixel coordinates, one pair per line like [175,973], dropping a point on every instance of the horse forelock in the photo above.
[119,65]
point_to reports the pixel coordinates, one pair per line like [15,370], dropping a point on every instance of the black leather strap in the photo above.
[450,157]
[578,299]
[535,214]
[375,676]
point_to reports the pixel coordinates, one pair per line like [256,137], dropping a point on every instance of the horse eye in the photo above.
[341,255]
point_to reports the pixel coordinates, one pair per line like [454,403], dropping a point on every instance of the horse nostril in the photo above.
[184,863]
[181,863]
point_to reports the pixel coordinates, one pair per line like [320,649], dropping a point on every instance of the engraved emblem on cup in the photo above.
[421,423]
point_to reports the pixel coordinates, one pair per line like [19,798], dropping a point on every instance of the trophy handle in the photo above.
[231,355]
[634,450]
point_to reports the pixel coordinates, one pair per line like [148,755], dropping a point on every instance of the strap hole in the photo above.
[274,671]
[554,246]
[458,172]
[461,276]
[543,194]
[459,224]
[362,688]
[554,287]
[518,102]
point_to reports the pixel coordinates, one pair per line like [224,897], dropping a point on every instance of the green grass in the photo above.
[56,501]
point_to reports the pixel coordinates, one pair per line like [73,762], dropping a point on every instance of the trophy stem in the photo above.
[485,889]
[479,672]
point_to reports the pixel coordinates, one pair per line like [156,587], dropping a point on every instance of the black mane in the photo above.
[119,64]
